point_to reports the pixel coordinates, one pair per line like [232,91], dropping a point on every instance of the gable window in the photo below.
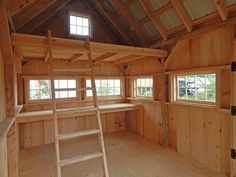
[65,88]
[105,87]
[39,89]
[200,88]
[80,25]
[144,87]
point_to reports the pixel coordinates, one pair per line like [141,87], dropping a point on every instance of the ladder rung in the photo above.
[69,135]
[72,70]
[80,158]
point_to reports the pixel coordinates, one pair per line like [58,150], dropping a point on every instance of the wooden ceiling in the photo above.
[28,15]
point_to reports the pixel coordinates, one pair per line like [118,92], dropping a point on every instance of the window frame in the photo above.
[135,88]
[196,102]
[27,88]
[67,89]
[83,15]
[122,89]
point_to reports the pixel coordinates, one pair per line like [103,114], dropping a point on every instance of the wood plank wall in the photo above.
[201,133]
[59,24]
[41,132]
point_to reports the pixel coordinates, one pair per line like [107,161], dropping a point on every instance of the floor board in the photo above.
[129,155]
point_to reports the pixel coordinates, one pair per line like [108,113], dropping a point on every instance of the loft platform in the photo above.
[34,47]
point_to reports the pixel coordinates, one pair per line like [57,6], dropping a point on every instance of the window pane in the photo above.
[72,20]
[71,83]
[71,94]
[145,87]
[80,21]
[85,31]
[181,81]
[39,89]
[63,84]
[79,30]
[85,22]
[72,29]
[63,94]
[104,87]
[200,87]
[88,83]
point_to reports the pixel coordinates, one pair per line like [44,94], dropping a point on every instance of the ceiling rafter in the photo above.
[114,21]
[38,20]
[154,20]
[22,18]
[178,5]
[221,8]
[131,19]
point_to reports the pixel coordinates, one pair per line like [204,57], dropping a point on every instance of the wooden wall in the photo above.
[201,133]
[41,132]
[59,23]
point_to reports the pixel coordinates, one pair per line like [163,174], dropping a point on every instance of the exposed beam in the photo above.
[38,20]
[114,21]
[221,8]
[157,24]
[131,19]
[76,57]
[20,19]
[103,57]
[178,5]
[177,48]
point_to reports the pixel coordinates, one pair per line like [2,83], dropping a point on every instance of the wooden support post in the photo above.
[164,106]
[233,114]
[10,85]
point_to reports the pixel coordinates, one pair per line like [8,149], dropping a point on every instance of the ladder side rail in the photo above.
[94,91]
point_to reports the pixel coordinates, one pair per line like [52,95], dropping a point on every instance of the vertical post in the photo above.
[10,85]
[164,106]
[233,112]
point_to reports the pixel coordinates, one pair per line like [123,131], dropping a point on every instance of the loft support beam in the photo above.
[178,5]
[103,57]
[221,8]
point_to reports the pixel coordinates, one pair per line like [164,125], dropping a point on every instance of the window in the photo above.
[105,87]
[201,87]
[65,88]
[39,89]
[144,87]
[80,25]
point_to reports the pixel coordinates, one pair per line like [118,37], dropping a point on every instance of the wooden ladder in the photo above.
[77,134]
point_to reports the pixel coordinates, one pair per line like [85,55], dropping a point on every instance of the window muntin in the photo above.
[200,88]
[39,89]
[80,25]
[105,87]
[144,87]
[65,88]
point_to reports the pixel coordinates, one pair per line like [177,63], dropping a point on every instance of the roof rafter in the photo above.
[114,21]
[222,10]
[35,22]
[177,4]
[22,18]
[157,24]
[131,19]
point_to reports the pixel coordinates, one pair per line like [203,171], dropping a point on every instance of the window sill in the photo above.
[191,104]
[143,99]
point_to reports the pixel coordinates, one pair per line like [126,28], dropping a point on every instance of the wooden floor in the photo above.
[129,155]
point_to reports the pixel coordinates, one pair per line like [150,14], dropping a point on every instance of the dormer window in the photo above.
[80,25]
